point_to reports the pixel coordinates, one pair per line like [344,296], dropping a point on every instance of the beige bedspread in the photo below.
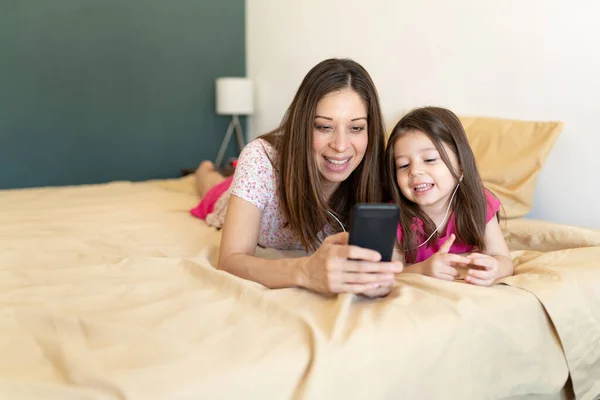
[107,292]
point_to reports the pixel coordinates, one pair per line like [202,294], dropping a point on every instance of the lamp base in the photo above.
[234,124]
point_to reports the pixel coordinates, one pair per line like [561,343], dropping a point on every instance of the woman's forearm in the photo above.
[273,274]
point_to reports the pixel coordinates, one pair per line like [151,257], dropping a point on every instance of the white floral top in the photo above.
[256,181]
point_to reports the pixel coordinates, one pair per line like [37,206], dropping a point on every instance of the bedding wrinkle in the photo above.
[82,372]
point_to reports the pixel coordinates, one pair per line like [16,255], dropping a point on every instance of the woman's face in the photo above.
[340,136]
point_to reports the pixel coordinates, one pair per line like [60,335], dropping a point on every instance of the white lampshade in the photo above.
[235,96]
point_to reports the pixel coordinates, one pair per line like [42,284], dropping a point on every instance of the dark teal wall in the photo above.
[99,90]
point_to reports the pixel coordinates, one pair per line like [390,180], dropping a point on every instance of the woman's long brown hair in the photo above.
[300,183]
[469,206]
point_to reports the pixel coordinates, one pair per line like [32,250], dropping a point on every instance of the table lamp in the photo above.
[235,97]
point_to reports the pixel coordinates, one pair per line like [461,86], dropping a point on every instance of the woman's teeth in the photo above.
[337,162]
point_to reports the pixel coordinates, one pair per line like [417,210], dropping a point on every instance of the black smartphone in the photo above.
[373,226]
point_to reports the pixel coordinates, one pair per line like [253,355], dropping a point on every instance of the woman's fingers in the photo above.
[338,247]
[348,272]
[357,288]
[353,269]
[371,267]
[358,253]
[382,278]
[377,292]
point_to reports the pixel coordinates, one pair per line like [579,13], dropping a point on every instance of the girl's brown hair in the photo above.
[442,126]
[300,183]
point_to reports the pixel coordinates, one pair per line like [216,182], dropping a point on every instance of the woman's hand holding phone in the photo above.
[337,267]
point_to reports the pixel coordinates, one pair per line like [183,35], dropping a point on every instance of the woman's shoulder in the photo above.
[261,143]
[256,166]
[254,179]
[258,149]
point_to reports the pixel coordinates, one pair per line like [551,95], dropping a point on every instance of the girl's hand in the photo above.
[441,264]
[337,267]
[487,272]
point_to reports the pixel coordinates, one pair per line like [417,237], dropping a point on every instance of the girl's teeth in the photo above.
[423,187]
[337,162]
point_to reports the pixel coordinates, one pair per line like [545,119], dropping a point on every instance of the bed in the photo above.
[109,291]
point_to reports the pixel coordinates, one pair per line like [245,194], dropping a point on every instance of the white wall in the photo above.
[534,60]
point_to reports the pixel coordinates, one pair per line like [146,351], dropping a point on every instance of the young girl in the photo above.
[448,220]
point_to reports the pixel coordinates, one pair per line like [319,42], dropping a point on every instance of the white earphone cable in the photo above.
[445,215]
[330,213]
[436,229]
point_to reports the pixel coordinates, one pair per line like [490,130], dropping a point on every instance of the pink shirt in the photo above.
[256,181]
[429,249]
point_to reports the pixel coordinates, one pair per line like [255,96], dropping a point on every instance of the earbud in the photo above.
[461,178]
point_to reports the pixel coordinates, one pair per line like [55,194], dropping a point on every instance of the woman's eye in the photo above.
[358,128]
[323,127]
[402,166]
[430,159]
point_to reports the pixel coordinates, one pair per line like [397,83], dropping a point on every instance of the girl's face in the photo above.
[340,136]
[421,173]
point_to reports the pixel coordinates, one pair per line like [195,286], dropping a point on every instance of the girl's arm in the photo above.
[495,260]
[327,270]
[496,247]
[398,255]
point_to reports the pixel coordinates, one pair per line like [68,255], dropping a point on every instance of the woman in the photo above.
[294,188]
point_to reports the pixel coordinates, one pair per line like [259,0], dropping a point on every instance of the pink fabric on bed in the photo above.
[207,204]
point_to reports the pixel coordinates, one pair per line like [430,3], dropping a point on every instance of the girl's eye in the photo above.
[402,166]
[430,159]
